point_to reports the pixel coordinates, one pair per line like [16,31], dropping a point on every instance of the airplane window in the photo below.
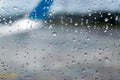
[59,39]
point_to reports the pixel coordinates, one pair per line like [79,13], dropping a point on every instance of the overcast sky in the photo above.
[21,6]
[85,5]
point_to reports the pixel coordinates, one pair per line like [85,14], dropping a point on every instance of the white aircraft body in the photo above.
[32,21]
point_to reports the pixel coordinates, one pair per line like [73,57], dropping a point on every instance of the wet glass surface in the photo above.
[65,46]
[61,53]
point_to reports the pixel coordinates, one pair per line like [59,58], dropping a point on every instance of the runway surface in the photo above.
[61,53]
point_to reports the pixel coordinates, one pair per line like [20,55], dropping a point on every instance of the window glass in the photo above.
[59,39]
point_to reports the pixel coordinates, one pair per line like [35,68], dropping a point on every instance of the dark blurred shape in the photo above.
[10,19]
[97,17]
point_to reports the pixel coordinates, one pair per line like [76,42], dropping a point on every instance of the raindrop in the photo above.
[3,8]
[76,24]
[54,33]
[109,14]
[50,14]
[105,31]
[83,70]
[2,47]
[106,19]
[100,49]
[15,7]
[88,38]
[63,43]
[106,58]
[50,26]
[74,40]
[10,22]
[85,44]
[85,53]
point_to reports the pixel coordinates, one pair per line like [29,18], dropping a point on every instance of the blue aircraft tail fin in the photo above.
[41,11]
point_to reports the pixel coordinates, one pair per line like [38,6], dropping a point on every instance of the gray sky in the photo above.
[77,6]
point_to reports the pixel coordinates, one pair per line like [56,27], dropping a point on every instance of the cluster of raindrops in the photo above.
[67,45]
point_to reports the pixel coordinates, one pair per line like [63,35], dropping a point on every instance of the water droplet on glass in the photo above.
[85,53]
[15,7]
[85,44]
[83,70]
[88,38]
[76,24]
[106,19]
[74,40]
[3,8]
[106,58]
[54,33]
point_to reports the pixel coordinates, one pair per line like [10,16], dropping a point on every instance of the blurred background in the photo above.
[78,40]
[93,12]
